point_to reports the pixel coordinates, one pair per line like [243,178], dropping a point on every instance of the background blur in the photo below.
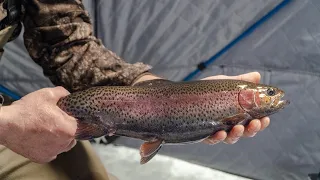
[174,36]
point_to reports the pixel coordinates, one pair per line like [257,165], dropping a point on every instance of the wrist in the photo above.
[4,118]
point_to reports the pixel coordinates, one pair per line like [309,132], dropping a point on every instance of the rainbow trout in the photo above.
[164,112]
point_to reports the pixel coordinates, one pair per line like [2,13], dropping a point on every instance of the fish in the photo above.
[162,112]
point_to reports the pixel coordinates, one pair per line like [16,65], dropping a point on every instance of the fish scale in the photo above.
[169,112]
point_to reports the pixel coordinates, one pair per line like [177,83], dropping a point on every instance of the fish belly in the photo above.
[178,118]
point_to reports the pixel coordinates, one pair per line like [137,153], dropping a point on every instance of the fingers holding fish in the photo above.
[71,145]
[43,160]
[264,123]
[69,126]
[253,128]
[251,77]
[238,131]
[216,138]
[234,135]
[218,77]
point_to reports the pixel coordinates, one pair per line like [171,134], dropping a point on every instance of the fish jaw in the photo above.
[282,103]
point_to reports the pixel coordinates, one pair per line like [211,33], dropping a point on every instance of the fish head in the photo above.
[262,100]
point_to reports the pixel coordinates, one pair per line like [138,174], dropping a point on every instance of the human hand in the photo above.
[36,128]
[237,131]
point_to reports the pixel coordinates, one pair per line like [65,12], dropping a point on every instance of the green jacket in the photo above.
[59,37]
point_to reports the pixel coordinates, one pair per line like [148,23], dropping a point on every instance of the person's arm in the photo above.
[58,36]
[3,123]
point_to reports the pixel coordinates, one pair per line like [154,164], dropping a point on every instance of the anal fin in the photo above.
[146,159]
[148,150]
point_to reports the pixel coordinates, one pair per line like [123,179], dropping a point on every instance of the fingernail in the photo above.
[234,140]
[213,142]
[253,130]
[253,134]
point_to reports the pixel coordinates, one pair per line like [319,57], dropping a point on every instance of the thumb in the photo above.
[58,93]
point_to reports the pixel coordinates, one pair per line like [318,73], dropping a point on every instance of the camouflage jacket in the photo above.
[59,37]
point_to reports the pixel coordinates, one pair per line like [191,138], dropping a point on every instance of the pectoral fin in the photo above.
[94,126]
[230,122]
[148,150]
[87,131]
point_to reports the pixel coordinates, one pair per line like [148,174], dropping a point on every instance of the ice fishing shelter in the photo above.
[191,39]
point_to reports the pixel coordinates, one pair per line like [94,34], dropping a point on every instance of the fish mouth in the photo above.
[282,102]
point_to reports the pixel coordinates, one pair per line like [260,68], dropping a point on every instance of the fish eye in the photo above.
[271,92]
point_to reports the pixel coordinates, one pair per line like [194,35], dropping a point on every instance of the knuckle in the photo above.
[69,135]
[45,93]
[55,92]
[58,132]
[51,93]
[62,90]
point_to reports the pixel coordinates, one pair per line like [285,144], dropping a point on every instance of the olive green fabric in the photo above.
[81,163]
[5,34]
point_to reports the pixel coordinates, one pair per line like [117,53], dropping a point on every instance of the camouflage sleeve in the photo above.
[58,36]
